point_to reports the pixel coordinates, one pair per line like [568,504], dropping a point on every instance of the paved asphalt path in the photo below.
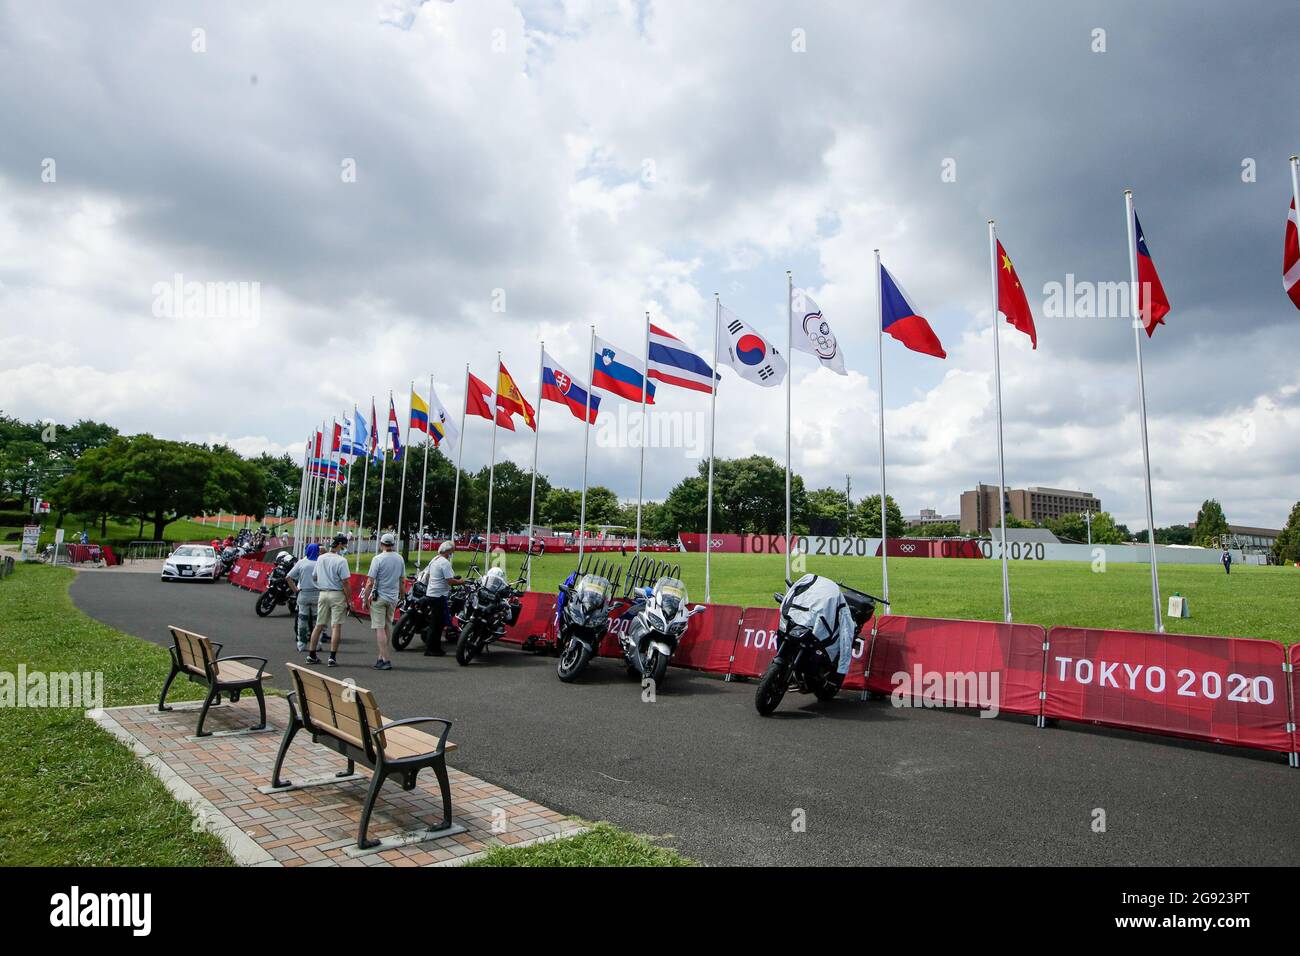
[701,770]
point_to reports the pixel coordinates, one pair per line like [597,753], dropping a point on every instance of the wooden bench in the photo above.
[346,718]
[196,657]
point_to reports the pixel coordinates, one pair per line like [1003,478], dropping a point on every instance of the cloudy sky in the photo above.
[391,174]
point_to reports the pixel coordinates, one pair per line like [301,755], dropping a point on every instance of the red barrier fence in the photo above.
[1295,705]
[1225,690]
[934,661]
[710,639]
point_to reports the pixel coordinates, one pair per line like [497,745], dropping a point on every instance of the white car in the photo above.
[192,561]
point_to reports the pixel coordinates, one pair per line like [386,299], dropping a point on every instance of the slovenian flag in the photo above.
[1153,305]
[559,386]
[672,363]
[900,318]
[620,373]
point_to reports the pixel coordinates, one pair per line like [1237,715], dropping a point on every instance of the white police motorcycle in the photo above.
[651,639]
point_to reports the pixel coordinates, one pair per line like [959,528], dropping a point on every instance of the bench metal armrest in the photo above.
[261,668]
[442,737]
[216,645]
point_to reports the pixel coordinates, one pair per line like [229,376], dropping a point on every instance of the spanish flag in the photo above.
[419,412]
[511,400]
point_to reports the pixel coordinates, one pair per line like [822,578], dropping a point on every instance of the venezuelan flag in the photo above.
[419,412]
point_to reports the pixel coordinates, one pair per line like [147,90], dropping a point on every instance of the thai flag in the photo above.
[1153,305]
[901,319]
[559,386]
[672,363]
[618,372]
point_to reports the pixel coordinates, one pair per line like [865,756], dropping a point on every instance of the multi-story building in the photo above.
[979,508]
[930,516]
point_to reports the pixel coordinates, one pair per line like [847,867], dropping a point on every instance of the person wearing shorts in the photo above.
[331,576]
[383,592]
[302,580]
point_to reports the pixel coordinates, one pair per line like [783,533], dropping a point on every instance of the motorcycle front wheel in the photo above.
[772,688]
[657,667]
[466,646]
[573,659]
[403,632]
[265,604]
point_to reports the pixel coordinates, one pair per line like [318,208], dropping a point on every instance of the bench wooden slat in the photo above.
[238,671]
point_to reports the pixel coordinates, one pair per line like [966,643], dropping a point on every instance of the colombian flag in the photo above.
[419,412]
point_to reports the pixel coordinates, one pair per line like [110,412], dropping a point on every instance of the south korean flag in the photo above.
[811,333]
[751,356]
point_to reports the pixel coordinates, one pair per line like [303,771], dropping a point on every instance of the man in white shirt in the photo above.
[332,580]
[383,592]
[438,579]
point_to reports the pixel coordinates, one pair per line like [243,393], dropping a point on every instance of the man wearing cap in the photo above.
[331,577]
[383,592]
[439,579]
[303,582]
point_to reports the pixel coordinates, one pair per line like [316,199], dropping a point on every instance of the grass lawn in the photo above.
[70,794]
[1251,602]
[602,845]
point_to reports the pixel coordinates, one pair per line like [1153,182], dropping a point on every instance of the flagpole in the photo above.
[492,463]
[352,450]
[383,476]
[880,388]
[365,478]
[586,445]
[1142,405]
[406,456]
[645,387]
[537,434]
[424,482]
[713,410]
[1295,188]
[789,386]
[298,543]
[997,393]
[455,495]
[334,475]
[318,528]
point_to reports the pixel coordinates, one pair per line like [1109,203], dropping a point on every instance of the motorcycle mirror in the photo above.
[789,583]
[695,610]
[778,597]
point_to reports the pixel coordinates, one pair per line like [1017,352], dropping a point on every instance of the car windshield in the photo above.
[671,594]
[194,552]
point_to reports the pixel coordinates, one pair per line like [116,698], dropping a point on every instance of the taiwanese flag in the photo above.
[1291,259]
[1011,297]
[479,401]
[559,386]
[901,319]
[1153,306]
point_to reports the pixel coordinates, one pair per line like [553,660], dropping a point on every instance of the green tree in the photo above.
[1286,549]
[684,509]
[866,517]
[826,505]
[937,529]
[1210,523]
[281,477]
[1075,528]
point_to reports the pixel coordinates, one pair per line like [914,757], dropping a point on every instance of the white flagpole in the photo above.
[645,387]
[383,475]
[997,393]
[492,463]
[300,527]
[537,434]
[713,410]
[1142,405]
[406,456]
[880,388]
[424,482]
[455,495]
[789,386]
[335,457]
[365,478]
[1295,187]
[352,460]
[317,512]
[586,445]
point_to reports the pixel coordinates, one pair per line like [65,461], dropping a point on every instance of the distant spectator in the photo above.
[302,580]
[1227,561]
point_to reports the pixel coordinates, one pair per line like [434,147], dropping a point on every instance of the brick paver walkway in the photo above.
[220,776]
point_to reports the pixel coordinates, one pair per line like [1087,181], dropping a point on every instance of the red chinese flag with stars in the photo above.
[1011,297]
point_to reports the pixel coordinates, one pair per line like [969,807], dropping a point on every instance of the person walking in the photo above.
[1227,561]
[439,578]
[303,581]
[331,576]
[383,592]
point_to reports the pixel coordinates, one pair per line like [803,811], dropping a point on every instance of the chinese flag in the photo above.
[1011,297]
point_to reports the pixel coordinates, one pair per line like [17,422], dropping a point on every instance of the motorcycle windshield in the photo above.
[591,596]
[671,595]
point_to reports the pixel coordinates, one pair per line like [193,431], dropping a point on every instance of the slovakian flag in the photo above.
[672,363]
[559,386]
[479,401]
[1153,306]
[394,433]
[900,318]
[1291,258]
[1011,297]
[620,373]
[511,400]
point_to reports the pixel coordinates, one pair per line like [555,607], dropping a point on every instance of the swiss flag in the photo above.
[1291,258]
[1011,297]
[479,401]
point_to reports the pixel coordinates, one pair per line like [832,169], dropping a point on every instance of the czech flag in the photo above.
[901,319]
[559,386]
[1153,306]
[673,363]
[618,372]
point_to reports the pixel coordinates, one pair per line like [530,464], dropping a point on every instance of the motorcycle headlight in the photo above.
[678,628]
